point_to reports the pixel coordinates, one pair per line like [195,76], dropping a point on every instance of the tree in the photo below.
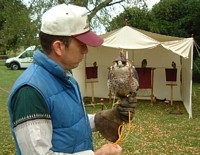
[135,17]
[16,27]
[100,11]
[176,17]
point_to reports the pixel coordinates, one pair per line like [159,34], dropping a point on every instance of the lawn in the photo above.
[154,130]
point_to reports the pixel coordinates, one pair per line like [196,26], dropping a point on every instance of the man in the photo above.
[46,110]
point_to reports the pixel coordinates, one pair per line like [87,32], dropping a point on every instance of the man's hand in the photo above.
[109,149]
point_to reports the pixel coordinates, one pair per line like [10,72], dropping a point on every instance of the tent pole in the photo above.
[92,89]
[152,77]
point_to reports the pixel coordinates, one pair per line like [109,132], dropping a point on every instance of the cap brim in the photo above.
[89,38]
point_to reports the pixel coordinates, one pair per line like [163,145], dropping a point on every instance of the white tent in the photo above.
[159,50]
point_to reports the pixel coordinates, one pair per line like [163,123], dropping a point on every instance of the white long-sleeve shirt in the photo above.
[37,134]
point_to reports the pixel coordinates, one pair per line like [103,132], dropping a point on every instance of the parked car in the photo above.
[23,60]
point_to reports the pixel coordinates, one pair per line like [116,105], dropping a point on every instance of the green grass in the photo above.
[155,131]
[7,78]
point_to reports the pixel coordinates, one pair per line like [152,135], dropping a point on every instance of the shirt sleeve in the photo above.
[32,123]
[91,119]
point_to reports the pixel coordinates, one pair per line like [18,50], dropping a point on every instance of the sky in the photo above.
[101,30]
[150,3]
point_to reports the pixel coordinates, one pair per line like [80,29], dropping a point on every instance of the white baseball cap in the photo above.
[69,20]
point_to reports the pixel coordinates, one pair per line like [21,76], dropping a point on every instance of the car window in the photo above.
[23,55]
[30,53]
[27,54]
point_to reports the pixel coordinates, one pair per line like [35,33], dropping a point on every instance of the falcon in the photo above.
[122,78]
[173,65]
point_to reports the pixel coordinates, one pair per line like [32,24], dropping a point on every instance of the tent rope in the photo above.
[197,48]
[197,67]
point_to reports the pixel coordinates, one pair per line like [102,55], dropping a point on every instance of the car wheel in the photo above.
[14,66]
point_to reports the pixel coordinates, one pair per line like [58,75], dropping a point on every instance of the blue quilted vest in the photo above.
[71,128]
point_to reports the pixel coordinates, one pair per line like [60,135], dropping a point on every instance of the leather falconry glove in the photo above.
[127,106]
[107,122]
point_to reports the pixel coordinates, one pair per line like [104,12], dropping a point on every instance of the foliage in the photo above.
[176,17]
[155,130]
[136,17]
[16,27]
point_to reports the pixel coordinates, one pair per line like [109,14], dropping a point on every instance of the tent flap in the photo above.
[180,47]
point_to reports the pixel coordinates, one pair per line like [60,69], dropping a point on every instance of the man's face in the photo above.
[73,54]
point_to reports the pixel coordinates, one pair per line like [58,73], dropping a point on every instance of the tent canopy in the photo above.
[159,50]
[120,39]
[130,38]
